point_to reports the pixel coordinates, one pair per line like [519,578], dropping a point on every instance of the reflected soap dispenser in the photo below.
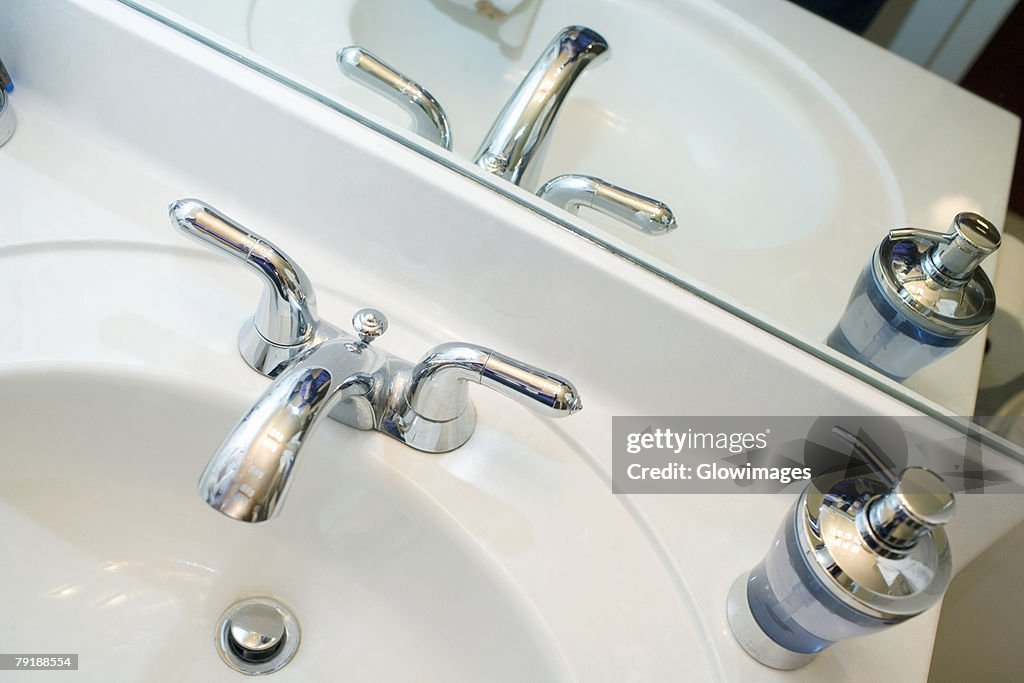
[922,295]
[853,556]
[8,121]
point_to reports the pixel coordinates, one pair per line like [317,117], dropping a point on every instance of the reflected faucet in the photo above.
[430,120]
[425,406]
[573,192]
[518,137]
[517,140]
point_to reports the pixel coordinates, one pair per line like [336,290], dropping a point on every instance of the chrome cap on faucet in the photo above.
[431,121]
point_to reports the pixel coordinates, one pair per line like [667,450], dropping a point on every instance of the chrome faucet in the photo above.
[518,137]
[321,371]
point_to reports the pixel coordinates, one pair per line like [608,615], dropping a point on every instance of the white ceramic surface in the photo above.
[99,287]
[108,551]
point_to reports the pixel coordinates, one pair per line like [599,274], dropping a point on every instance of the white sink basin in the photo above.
[506,559]
[108,550]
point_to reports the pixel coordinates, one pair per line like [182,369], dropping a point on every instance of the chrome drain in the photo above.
[257,636]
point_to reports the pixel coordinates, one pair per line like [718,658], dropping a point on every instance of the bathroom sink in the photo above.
[505,559]
[109,552]
[119,376]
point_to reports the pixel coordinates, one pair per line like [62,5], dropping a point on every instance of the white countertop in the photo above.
[82,170]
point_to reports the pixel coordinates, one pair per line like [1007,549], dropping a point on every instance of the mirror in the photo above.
[751,153]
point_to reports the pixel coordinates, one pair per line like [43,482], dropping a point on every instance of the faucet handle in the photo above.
[436,415]
[429,116]
[285,323]
[572,191]
[540,390]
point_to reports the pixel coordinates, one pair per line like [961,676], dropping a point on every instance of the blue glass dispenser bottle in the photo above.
[922,295]
[852,557]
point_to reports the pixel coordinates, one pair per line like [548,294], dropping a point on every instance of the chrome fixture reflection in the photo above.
[572,192]
[430,120]
[517,139]
[425,405]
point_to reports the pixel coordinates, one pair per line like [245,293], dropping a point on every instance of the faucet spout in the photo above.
[248,476]
[519,134]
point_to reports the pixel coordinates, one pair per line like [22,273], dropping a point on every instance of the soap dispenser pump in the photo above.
[853,556]
[922,295]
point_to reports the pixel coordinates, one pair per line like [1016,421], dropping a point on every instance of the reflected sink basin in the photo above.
[108,550]
[766,167]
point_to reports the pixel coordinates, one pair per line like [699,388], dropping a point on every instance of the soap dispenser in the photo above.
[853,556]
[922,295]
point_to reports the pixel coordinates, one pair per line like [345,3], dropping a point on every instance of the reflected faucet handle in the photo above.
[436,415]
[430,120]
[573,191]
[285,323]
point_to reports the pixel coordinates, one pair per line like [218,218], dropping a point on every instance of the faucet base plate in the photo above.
[414,430]
[270,359]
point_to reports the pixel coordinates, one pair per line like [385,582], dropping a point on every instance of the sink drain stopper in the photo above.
[257,636]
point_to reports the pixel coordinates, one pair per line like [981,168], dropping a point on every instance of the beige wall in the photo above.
[981,629]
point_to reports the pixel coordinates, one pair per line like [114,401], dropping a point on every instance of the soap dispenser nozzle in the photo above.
[958,251]
[922,295]
[892,523]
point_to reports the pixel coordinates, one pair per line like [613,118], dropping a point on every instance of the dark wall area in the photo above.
[998,76]
[853,15]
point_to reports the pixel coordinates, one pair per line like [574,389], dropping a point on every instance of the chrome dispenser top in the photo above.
[879,548]
[935,277]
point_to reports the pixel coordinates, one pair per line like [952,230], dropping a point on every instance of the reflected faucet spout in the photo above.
[519,134]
